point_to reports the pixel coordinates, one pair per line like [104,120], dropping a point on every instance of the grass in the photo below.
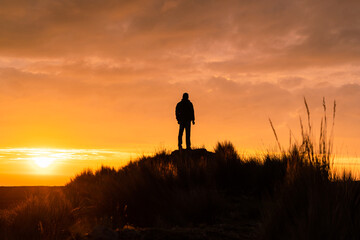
[161,191]
[312,203]
[294,199]
[216,195]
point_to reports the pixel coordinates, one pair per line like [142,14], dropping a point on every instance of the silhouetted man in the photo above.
[184,115]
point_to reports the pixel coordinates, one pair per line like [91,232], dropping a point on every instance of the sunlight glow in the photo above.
[54,167]
[43,162]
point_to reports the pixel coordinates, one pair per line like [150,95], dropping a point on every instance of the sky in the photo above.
[108,74]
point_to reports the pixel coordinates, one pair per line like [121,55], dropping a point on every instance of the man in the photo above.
[184,115]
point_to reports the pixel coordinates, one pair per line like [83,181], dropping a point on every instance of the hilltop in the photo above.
[194,194]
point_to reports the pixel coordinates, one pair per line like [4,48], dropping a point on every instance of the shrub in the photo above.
[39,217]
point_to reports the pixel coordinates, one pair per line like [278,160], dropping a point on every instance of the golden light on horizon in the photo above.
[55,167]
[40,166]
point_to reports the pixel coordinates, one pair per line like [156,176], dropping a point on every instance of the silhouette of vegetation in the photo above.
[312,203]
[199,194]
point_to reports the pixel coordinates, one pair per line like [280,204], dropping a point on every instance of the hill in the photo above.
[195,194]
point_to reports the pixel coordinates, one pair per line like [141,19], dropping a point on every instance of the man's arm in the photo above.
[192,114]
[177,112]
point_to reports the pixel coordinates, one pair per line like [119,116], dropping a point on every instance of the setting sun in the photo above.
[43,162]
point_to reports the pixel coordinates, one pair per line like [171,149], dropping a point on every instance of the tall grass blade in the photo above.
[276,137]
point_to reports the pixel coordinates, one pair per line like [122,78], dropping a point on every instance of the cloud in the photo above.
[110,72]
[291,82]
[269,34]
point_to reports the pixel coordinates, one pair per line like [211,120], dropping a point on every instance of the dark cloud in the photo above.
[270,35]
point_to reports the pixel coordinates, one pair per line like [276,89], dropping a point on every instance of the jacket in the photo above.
[184,111]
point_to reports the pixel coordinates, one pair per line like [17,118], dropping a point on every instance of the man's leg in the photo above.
[187,129]
[181,131]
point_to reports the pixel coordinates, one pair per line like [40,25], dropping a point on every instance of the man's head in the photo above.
[185,96]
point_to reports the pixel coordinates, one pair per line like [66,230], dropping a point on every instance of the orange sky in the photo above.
[108,74]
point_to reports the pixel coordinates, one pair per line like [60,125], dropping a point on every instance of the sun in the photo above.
[43,162]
